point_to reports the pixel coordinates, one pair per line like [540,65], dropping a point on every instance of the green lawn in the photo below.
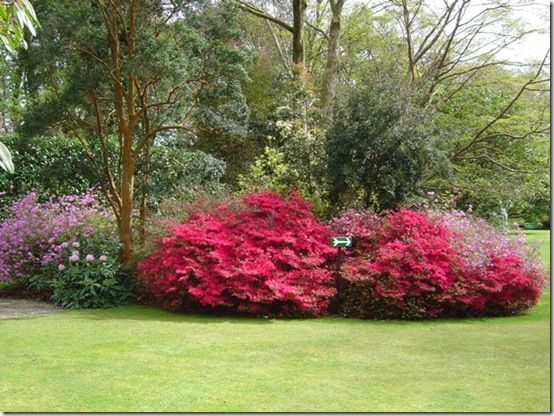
[142,359]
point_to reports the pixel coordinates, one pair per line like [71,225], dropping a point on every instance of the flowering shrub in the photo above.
[33,234]
[88,273]
[65,247]
[361,225]
[264,256]
[502,274]
[426,265]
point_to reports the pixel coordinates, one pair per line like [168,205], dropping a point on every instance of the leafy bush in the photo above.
[296,158]
[50,165]
[54,165]
[40,246]
[33,233]
[264,255]
[379,146]
[179,173]
[87,275]
[427,265]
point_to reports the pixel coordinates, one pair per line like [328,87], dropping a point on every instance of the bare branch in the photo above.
[260,13]
[476,138]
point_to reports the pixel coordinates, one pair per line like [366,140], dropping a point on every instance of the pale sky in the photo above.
[533,46]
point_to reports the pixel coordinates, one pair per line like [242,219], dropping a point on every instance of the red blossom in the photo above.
[416,268]
[269,258]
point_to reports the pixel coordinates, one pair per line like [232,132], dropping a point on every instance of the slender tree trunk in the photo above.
[299,17]
[329,76]
[144,195]
[125,226]
[408,28]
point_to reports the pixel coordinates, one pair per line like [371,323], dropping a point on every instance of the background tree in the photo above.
[379,146]
[135,71]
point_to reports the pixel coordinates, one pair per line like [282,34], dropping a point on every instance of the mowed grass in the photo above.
[143,359]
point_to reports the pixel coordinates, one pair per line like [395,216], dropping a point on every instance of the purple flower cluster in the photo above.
[476,240]
[35,233]
[355,223]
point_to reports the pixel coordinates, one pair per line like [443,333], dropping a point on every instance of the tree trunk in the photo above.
[144,195]
[125,226]
[329,76]
[299,17]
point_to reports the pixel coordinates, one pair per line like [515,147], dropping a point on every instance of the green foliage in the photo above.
[15,17]
[180,173]
[269,171]
[6,162]
[50,165]
[507,166]
[89,276]
[55,165]
[193,61]
[379,146]
[297,159]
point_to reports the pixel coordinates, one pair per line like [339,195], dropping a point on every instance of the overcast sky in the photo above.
[533,46]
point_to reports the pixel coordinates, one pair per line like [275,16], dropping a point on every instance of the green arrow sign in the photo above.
[341,241]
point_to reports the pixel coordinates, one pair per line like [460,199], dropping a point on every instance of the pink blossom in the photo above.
[42,229]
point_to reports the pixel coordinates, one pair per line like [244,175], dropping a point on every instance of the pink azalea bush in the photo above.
[34,234]
[266,255]
[503,274]
[418,264]
[477,240]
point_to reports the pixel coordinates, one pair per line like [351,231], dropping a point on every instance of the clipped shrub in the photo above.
[46,165]
[265,255]
[428,265]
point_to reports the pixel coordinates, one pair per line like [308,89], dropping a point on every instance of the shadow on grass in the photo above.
[150,313]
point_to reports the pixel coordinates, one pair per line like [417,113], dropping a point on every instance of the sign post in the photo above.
[340,242]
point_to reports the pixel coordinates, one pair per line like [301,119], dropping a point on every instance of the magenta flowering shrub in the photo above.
[415,264]
[502,274]
[34,234]
[266,255]
[361,225]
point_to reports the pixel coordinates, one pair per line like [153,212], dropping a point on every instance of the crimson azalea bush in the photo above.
[428,265]
[265,256]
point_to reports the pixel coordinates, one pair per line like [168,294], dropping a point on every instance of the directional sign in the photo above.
[341,241]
